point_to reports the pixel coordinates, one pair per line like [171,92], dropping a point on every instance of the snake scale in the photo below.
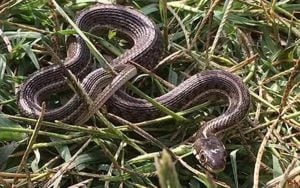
[146,51]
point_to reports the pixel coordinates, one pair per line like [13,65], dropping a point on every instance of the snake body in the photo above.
[146,50]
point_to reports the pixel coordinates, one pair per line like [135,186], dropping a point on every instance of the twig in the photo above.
[223,21]
[32,139]
[6,41]
[201,24]
[260,154]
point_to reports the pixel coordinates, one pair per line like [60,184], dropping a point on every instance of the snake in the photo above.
[102,87]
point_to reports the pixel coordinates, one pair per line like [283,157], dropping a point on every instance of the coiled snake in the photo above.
[146,51]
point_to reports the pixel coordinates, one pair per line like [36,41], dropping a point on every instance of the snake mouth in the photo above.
[209,168]
[215,171]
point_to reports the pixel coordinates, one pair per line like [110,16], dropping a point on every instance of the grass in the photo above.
[257,40]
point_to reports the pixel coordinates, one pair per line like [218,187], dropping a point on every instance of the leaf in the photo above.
[5,152]
[87,159]
[20,34]
[285,54]
[277,170]
[10,135]
[29,52]
[63,150]
[234,166]
[112,34]
[35,162]
[149,9]
[172,77]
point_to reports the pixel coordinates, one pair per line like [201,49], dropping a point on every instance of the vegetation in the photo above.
[257,40]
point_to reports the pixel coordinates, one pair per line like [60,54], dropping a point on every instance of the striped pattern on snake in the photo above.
[146,50]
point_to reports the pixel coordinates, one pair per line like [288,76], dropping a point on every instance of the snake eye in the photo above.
[201,157]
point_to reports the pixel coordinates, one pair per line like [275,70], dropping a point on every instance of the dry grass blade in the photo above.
[6,40]
[220,29]
[67,166]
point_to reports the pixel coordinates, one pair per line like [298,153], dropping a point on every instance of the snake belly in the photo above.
[146,51]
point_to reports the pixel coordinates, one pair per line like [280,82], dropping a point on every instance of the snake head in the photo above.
[210,152]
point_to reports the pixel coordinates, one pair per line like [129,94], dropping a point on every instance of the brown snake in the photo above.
[146,51]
